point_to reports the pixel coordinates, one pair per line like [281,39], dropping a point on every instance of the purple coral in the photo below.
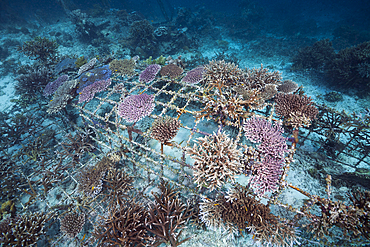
[135,107]
[51,87]
[194,76]
[149,73]
[272,148]
[88,92]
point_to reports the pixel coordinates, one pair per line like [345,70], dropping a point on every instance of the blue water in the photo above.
[247,33]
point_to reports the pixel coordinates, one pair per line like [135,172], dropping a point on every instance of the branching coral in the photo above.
[62,96]
[124,226]
[239,212]
[229,73]
[167,216]
[295,109]
[23,230]
[271,149]
[164,129]
[32,81]
[124,67]
[40,48]
[118,184]
[217,160]
[71,224]
[91,178]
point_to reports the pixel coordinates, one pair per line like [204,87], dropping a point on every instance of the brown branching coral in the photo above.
[296,110]
[239,212]
[167,216]
[40,48]
[259,78]
[164,129]
[118,184]
[71,224]
[353,220]
[75,146]
[229,73]
[91,178]
[217,160]
[124,226]
[23,230]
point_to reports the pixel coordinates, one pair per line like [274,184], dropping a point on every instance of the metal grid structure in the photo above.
[100,121]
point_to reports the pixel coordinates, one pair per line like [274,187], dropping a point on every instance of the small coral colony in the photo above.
[125,152]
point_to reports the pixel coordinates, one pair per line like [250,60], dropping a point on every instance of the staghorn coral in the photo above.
[41,49]
[23,230]
[171,70]
[316,56]
[296,110]
[167,216]
[149,73]
[72,223]
[32,81]
[217,160]
[124,67]
[88,92]
[164,129]
[135,107]
[118,184]
[124,226]
[238,211]
[259,78]
[229,73]
[90,179]
[223,108]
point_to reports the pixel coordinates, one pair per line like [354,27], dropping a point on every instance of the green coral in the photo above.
[159,60]
[80,61]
